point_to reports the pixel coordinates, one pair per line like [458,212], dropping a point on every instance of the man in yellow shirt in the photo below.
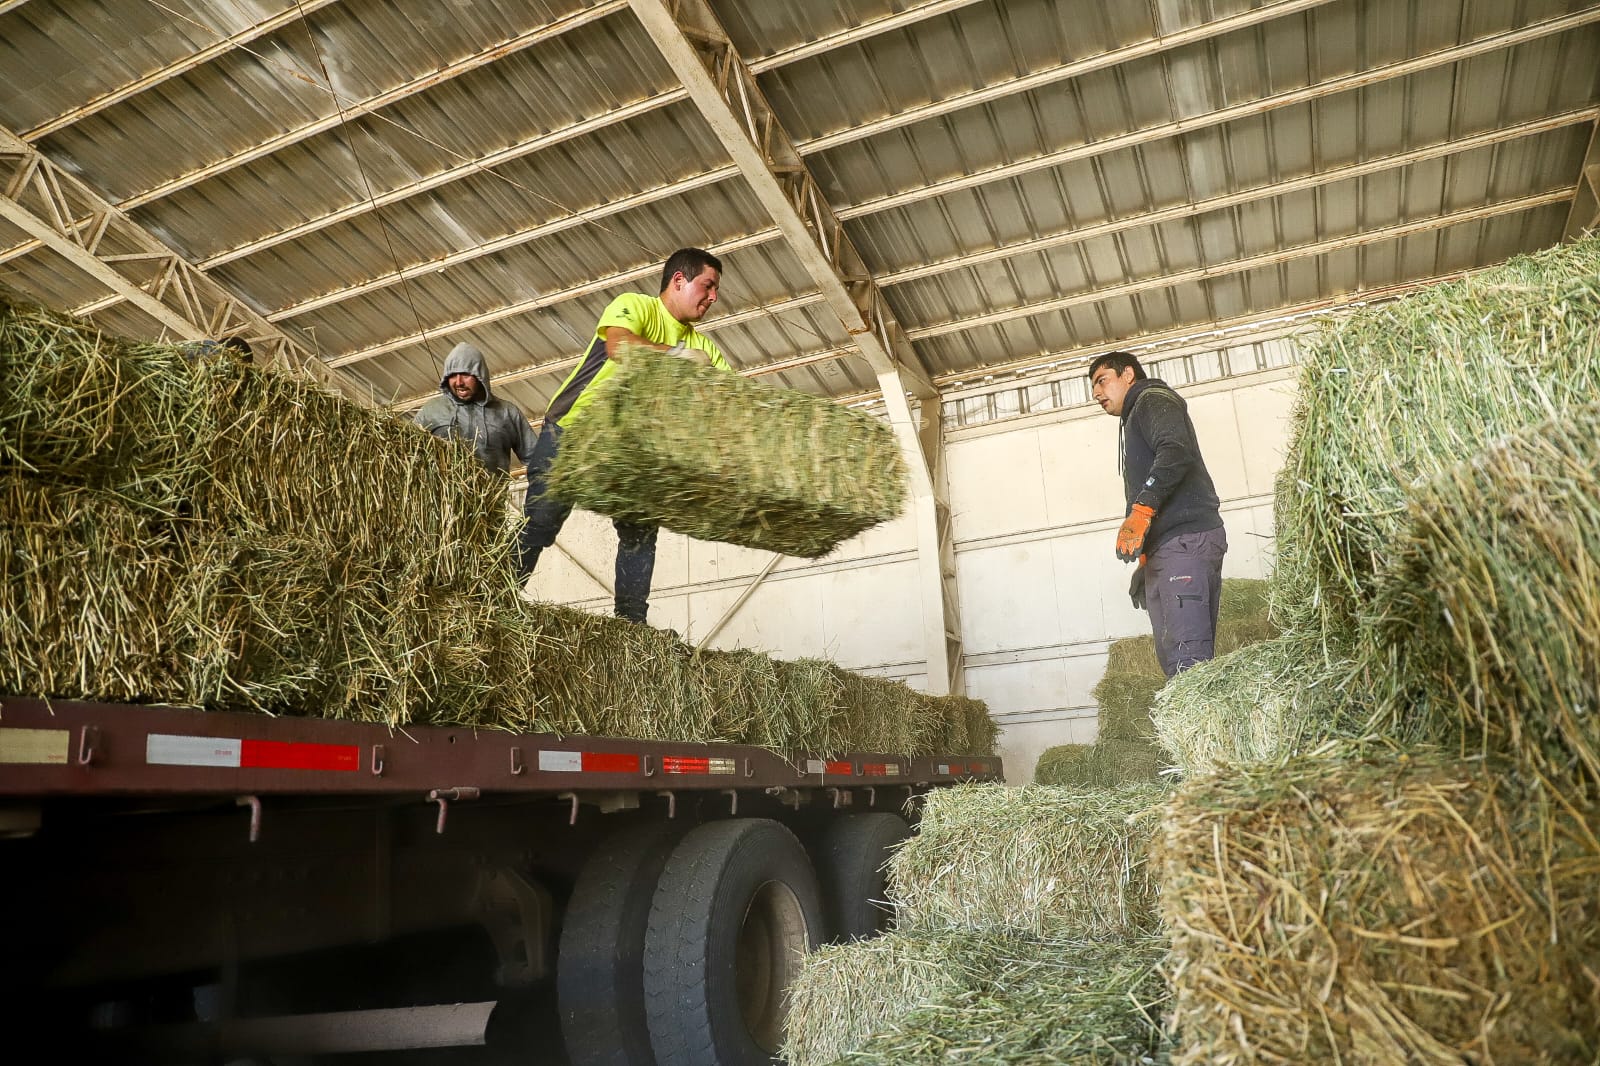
[665,322]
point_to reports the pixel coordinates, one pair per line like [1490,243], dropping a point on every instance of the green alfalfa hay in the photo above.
[982,733]
[959,997]
[720,457]
[1257,704]
[1489,613]
[1046,863]
[79,571]
[1396,394]
[890,717]
[1363,905]
[1103,764]
[82,408]
[1126,693]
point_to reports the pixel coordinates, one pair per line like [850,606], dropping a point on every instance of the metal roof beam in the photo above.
[1584,217]
[72,220]
[1077,68]
[538,303]
[1067,237]
[344,112]
[294,13]
[1272,190]
[10,5]
[1247,109]
[1253,262]
[600,122]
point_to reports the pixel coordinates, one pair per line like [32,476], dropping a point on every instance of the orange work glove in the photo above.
[1130,538]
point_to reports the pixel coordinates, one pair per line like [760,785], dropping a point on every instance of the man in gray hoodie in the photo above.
[465,410]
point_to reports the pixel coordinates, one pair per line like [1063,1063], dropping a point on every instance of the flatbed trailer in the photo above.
[185,886]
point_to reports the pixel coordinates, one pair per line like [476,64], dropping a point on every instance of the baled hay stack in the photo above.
[957,997]
[1257,704]
[1127,691]
[890,716]
[1103,764]
[1398,393]
[1045,863]
[78,408]
[723,458]
[78,573]
[1379,910]
[1492,609]
[981,733]
[785,706]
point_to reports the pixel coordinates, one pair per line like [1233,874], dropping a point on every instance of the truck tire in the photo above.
[850,864]
[735,910]
[600,967]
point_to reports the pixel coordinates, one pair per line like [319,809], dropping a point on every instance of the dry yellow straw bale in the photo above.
[1380,909]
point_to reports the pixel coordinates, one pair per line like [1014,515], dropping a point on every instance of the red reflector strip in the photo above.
[842,768]
[977,768]
[602,762]
[292,755]
[689,764]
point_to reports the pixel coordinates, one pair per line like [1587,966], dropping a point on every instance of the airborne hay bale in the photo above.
[1257,704]
[1380,909]
[780,471]
[1103,764]
[1046,863]
[1398,393]
[958,997]
[1489,610]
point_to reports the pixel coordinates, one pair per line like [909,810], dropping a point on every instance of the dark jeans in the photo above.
[1182,592]
[636,544]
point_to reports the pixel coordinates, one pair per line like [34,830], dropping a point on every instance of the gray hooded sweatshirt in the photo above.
[493,427]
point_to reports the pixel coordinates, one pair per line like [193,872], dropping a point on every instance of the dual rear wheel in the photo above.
[678,950]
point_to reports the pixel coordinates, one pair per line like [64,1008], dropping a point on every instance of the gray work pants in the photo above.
[1182,592]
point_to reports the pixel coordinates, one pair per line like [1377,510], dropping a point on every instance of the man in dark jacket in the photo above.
[1174,520]
[465,410]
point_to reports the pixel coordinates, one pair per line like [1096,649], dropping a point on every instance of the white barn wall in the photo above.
[1035,505]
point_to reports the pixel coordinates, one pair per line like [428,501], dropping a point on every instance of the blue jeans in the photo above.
[636,544]
[1183,592]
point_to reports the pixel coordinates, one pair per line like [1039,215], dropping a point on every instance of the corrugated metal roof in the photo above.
[1027,179]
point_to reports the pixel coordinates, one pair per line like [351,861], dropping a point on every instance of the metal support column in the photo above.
[1585,214]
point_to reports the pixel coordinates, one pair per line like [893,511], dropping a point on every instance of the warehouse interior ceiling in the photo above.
[992,183]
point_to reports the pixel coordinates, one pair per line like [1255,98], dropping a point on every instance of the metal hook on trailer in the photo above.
[872,796]
[572,818]
[733,798]
[517,765]
[378,754]
[672,801]
[254,803]
[87,741]
[443,796]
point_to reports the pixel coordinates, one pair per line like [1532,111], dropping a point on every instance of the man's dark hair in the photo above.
[240,346]
[1118,362]
[690,261]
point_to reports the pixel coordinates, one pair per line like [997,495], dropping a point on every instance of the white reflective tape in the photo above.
[816,766]
[892,769]
[165,749]
[722,766]
[561,761]
[941,768]
[38,747]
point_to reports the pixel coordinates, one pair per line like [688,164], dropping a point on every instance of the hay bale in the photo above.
[779,470]
[79,572]
[982,732]
[1103,764]
[82,408]
[1488,609]
[1379,908]
[933,999]
[1397,393]
[1040,862]
[1258,704]
[1127,691]
[886,716]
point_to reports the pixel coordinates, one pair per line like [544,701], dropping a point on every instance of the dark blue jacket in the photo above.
[1161,464]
